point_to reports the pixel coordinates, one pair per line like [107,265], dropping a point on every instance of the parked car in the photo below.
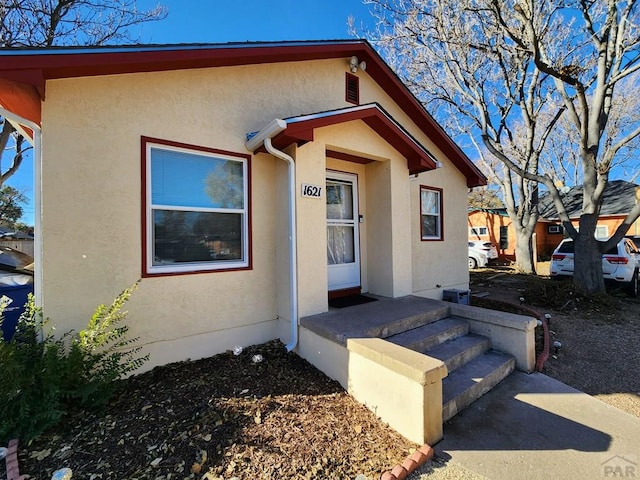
[635,239]
[477,257]
[488,248]
[620,264]
[16,283]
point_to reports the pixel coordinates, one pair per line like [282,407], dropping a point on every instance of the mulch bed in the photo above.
[224,417]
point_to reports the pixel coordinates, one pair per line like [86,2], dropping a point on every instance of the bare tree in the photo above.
[562,161]
[520,66]
[588,67]
[479,84]
[47,23]
[484,197]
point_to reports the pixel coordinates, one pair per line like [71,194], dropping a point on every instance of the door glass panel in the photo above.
[339,201]
[340,247]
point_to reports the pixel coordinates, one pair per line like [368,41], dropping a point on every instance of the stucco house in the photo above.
[146,171]
[245,185]
[494,225]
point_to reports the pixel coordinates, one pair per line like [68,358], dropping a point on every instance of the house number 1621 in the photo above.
[314,191]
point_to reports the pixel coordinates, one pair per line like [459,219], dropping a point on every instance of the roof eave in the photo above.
[34,69]
[300,130]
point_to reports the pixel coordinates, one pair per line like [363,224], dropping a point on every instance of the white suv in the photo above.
[477,258]
[486,248]
[619,264]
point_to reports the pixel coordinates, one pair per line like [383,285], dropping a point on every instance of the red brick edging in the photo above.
[410,464]
[13,472]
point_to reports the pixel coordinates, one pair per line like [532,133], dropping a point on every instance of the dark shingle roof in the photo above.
[495,211]
[618,199]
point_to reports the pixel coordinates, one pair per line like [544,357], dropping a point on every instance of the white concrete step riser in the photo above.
[425,344]
[430,335]
[411,323]
[466,398]
[454,363]
[450,341]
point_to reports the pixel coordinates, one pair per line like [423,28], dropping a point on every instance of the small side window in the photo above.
[602,232]
[431,213]
[478,231]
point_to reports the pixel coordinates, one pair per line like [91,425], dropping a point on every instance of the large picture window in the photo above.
[431,213]
[196,208]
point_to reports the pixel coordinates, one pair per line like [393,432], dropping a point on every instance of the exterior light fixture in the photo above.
[354,64]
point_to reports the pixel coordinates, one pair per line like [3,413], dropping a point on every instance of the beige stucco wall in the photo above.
[437,264]
[91,227]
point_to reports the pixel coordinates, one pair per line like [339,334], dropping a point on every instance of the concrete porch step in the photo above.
[411,321]
[379,319]
[473,368]
[468,383]
[426,337]
[459,351]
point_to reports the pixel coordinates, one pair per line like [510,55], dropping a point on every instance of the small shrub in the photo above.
[42,377]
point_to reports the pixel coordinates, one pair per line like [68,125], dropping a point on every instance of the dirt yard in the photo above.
[221,418]
[231,417]
[599,336]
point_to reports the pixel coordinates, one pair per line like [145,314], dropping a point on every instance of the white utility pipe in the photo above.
[263,137]
[293,255]
[37,197]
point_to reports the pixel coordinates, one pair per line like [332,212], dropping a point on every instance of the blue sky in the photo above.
[253,20]
[220,21]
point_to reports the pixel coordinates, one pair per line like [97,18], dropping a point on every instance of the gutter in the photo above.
[37,200]
[263,137]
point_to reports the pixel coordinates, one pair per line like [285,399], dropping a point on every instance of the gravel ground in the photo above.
[438,469]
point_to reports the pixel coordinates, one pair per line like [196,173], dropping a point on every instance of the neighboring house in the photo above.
[494,225]
[618,199]
[20,241]
[149,166]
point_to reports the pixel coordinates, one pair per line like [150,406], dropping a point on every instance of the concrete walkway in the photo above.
[533,427]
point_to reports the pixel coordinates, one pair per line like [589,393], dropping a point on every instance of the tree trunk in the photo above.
[524,252]
[587,259]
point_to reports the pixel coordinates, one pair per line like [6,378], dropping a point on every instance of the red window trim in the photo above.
[440,191]
[144,140]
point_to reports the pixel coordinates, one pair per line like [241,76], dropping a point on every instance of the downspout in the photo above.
[37,200]
[263,137]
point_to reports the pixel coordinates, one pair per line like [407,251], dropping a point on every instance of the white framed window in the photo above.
[196,209]
[478,231]
[431,213]
[602,232]
[554,229]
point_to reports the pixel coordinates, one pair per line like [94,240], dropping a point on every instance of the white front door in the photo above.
[343,246]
